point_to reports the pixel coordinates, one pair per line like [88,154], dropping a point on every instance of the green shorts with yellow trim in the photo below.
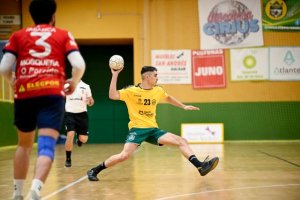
[139,135]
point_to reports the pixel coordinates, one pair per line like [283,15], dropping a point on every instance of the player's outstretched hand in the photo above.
[189,107]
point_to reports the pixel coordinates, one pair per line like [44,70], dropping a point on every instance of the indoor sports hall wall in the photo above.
[249,110]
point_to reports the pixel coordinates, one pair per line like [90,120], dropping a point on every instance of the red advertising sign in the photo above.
[208,68]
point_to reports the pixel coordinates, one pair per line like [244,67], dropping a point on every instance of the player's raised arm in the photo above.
[113,92]
[172,100]
[116,64]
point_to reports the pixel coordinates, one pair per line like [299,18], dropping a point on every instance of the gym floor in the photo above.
[247,170]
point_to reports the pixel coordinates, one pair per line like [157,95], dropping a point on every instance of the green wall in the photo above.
[8,132]
[242,121]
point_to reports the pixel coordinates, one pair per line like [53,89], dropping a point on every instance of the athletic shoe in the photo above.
[208,166]
[33,196]
[18,197]
[92,175]
[79,143]
[68,163]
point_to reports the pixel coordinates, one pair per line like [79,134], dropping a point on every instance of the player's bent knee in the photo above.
[83,138]
[46,146]
[182,142]
[185,141]
[124,156]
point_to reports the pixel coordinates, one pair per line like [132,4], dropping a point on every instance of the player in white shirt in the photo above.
[76,117]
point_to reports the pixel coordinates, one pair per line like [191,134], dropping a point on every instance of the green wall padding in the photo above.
[7,130]
[242,121]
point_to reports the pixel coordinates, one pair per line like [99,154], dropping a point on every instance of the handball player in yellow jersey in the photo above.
[141,101]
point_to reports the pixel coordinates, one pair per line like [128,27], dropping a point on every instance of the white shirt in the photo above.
[76,102]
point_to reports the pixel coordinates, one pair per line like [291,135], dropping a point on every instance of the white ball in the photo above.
[116,62]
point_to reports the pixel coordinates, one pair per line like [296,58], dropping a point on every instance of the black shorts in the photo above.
[39,112]
[77,122]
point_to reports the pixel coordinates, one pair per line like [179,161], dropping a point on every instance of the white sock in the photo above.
[37,186]
[18,187]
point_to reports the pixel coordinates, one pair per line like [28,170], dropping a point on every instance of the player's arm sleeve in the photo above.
[6,65]
[78,65]
[122,94]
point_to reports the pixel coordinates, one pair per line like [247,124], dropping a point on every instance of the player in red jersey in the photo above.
[39,53]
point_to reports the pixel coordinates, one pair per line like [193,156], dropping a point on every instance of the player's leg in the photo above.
[82,138]
[25,120]
[69,148]
[70,125]
[126,153]
[49,122]
[21,161]
[82,127]
[46,151]
[175,140]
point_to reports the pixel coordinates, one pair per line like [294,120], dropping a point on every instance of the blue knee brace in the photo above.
[46,146]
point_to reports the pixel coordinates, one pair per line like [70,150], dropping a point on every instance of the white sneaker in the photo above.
[32,195]
[18,197]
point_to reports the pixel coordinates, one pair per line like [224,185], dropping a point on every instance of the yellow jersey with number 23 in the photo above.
[141,105]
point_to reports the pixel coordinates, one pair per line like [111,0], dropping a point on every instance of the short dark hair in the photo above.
[148,69]
[42,10]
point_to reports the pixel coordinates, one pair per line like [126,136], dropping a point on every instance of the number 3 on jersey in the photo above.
[41,42]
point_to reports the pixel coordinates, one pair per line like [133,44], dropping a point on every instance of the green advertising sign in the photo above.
[281,15]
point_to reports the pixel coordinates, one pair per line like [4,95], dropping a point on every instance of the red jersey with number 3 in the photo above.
[41,59]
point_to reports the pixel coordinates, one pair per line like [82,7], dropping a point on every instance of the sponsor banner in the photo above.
[285,63]
[281,15]
[249,64]
[174,66]
[10,20]
[208,68]
[8,25]
[230,23]
[203,132]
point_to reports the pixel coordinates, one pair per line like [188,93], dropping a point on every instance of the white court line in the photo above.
[221,190]
[73,183]
[64,188]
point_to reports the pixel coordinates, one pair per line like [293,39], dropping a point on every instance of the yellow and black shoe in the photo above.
[92,175]
[208,166]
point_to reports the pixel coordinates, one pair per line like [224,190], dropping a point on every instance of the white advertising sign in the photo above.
[173,66]
[249,64]
[230,23]
[203,132]
[10,19]
[285,63]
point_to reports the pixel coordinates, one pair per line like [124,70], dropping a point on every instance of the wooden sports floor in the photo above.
[247,170]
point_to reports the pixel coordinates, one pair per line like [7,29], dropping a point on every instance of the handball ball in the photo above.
[116,62]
